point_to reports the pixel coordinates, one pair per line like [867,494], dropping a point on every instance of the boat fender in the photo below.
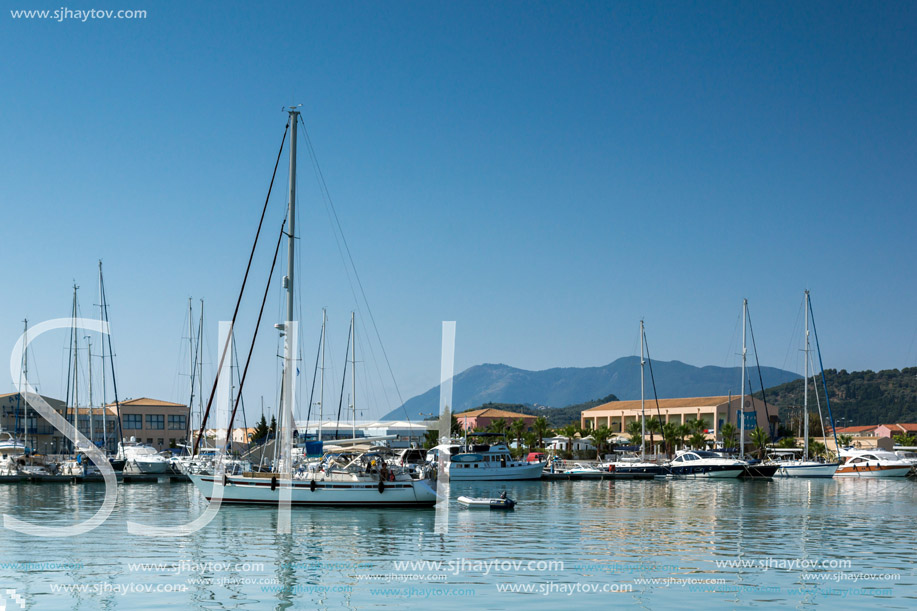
[391,476]
[273,483]
[312,485]
[225,480]
[381,486]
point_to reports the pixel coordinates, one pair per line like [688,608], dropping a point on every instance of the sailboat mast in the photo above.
[285,421]
[353,376]
[102,342]
[742,401]
[193,362]
[321,392]
[805,391]
[76,362]
[89,373]
[25,377]
[642,399]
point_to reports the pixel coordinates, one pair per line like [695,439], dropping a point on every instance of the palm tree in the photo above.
[540,427]
[847,440]
[653,425]
[817,448]
[569,432]
[684,431]
[635,430]
[787,442]
[759,438]
[698,441]
[517,428]
[498,426]
[728,432]
[669,436]
[600,436]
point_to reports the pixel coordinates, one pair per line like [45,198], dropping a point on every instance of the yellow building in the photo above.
[714,411]
[162,424]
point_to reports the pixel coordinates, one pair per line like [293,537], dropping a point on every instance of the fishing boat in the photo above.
[487,503]
[477,461]
[348,480]
[873,463]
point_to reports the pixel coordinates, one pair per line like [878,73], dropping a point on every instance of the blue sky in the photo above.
[545,174]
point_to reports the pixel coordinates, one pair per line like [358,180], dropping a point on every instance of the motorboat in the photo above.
[142,457]
[701,463]
[789,464]
[487,503]
[873,463]
[581,471]
[483,461]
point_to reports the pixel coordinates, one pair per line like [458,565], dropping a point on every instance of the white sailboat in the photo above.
[805,467]
[345,480]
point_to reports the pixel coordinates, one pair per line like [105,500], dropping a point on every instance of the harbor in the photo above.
[536,306]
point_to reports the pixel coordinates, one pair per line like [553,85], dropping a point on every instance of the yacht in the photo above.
[483,461]
[700,463]
[873,463]
[142,457]
[581,471]
[12,456]
[791,465]
[351,480]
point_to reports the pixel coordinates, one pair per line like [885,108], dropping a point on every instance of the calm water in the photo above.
[802,543]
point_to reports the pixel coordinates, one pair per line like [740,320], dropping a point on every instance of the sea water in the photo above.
[839,543]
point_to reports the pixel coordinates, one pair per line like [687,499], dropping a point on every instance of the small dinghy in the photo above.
[487,503]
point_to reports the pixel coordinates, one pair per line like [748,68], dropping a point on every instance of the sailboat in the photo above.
[805,467]
[347,479]
[641,465]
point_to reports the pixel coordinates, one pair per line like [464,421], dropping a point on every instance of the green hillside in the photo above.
[857,397]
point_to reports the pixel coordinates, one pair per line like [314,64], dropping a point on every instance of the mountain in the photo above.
[856,397]
[563,386]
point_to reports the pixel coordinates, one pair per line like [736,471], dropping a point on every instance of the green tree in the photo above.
[698,441]
[498,426]
[635,430]
[684,431]
[518,428]
[670,436]
[430,439]
[760,438]
[601,435]
[728,432]
[653,425]
[261,431]
[540,428]
[846,440]
[787,442]
[817,449]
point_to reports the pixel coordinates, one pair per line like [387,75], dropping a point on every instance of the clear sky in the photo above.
[545,174]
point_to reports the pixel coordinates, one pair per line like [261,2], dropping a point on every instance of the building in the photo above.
[161,424]
[22,422]
[483,418]
[890,430]
[713,411]
[857,431]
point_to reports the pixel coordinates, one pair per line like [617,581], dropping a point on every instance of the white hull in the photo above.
[884,472]
[807,469]
[494,473]
[143,466]
[266,491]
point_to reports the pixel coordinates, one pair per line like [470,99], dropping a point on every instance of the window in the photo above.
[177,422]
[159,442]
[155,422]
[133,421]
[150,441]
